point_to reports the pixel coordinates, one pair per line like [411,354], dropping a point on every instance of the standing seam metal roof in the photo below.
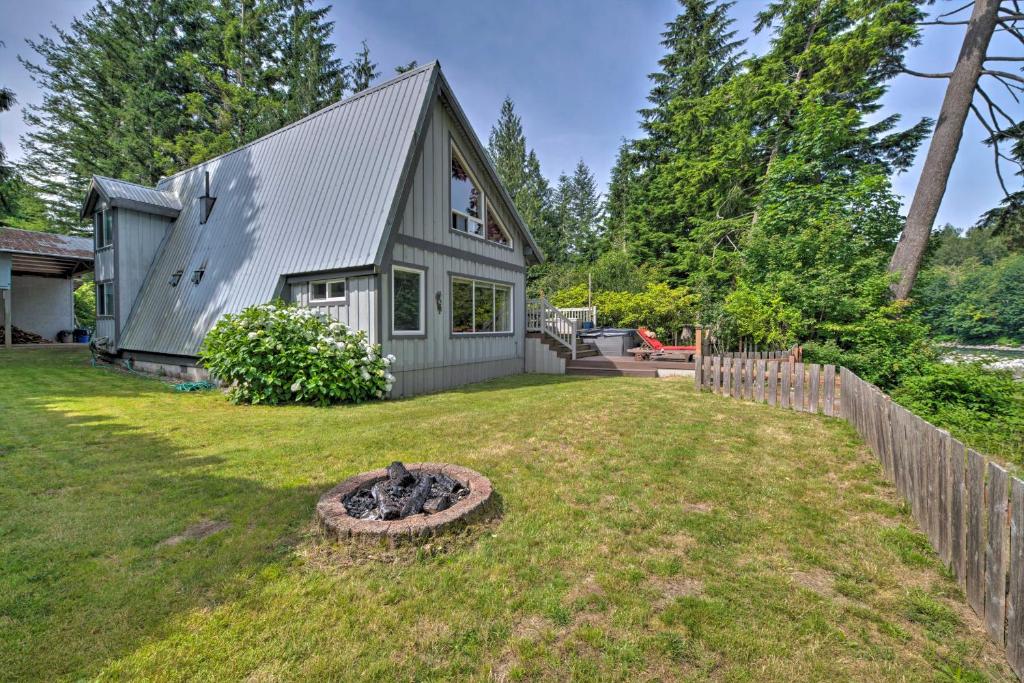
[312,196]
[131,195]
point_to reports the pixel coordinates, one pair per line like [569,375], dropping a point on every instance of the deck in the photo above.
[621,366]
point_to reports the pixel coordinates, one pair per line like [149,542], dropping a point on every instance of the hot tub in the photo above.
[612,341]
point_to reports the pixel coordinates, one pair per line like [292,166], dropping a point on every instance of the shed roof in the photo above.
[131,196]
[45,253]
[320,194]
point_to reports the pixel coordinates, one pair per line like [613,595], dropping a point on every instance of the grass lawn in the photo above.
[712,539]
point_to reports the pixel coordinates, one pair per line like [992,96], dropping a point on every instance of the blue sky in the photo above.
[576,71]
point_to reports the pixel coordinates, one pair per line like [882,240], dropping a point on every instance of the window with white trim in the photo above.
[105,298]
[472,214]
[407,285]
[103,227]
[480,307]
[327,290]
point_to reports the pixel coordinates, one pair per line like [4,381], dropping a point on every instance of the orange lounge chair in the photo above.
[650,348]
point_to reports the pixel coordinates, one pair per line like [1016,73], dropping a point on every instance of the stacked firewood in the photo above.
[19,336]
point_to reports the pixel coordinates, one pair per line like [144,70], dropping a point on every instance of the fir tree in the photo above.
[362,70]
[519,171]
[578,214]
[138,89]
[402,68]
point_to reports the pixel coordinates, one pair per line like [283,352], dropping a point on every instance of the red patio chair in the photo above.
[650,348]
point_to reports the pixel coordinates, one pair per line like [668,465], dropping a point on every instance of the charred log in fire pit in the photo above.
[404,494]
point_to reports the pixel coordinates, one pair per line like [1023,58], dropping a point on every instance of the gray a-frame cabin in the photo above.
[382,210]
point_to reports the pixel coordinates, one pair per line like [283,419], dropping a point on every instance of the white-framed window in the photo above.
[407,287]
[327,290]
[472,213]
[103,227]
[105,298]
[480,307]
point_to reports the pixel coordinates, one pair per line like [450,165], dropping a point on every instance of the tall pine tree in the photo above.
[519,170]
[138,89]
[578,214]
[363,70]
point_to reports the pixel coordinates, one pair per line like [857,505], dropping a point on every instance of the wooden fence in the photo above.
[775,381]
[970,509]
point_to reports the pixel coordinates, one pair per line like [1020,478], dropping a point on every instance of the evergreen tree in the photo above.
[402,68]
[363,70]
[519,171]
[7,176]
[578,213]
[314,76]
[701,54]
[138,89]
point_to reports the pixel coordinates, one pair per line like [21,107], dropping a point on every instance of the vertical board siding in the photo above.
[358,311]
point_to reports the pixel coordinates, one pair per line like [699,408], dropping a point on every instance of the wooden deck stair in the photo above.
[582,350]
[614,366]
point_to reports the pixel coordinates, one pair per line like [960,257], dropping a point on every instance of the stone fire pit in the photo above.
[403,503]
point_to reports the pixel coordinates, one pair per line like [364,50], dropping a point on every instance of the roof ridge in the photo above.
[127,182]
[308,117]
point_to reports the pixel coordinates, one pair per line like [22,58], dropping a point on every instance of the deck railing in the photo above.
[971,509]
[542,317]
[584,314]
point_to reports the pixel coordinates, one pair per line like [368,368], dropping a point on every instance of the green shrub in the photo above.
[85,305]
[279,353]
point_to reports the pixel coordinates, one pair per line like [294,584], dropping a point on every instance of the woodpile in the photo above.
[19,336]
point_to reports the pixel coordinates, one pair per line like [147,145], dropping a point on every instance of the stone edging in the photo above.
[336,523]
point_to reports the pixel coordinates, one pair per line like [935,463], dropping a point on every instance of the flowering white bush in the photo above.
[281,353]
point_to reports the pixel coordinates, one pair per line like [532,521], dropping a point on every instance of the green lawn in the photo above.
[705,539]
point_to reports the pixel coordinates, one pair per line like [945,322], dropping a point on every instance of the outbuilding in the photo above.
[38,271]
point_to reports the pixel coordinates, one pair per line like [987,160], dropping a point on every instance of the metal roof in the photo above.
[320,194]
[131,196]
[46,253]
[312,196]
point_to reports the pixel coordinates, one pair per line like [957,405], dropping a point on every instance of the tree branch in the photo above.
[958,10]
[921,74]
[1004,59]
[993,107]
[937,22]
[995,146]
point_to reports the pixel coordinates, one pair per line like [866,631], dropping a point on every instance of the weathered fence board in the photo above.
[737,378]
[716,374]
[995,571]
[773,376]
[727,376]
[759,381]
[787,373]
[815,379]
[830,390]
[975,536]
[956,510]
[1015,598]
[798,397]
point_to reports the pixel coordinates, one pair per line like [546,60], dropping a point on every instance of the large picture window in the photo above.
[480,307]
[472,214]
[103,226]
[105,298]
[406,301]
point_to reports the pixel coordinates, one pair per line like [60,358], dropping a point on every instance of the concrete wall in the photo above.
[44,305]
[542,359]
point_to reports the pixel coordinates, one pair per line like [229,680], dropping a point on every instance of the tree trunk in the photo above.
[942,149]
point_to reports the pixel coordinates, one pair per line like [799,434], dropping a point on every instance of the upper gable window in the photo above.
[472,214]
[496,232]
[327,290]
[103,226]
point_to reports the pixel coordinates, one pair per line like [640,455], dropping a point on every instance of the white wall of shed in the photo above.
[44,305]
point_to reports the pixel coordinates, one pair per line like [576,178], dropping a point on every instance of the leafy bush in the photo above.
[760,314]
[280,353]
[85,305]
[664,309]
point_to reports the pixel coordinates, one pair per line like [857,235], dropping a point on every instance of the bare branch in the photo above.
[1004,59]
[993,107]
[937,22]
[921,74]
[958,10]
[995,146]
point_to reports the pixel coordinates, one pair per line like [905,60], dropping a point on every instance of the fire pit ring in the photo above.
[336,522]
